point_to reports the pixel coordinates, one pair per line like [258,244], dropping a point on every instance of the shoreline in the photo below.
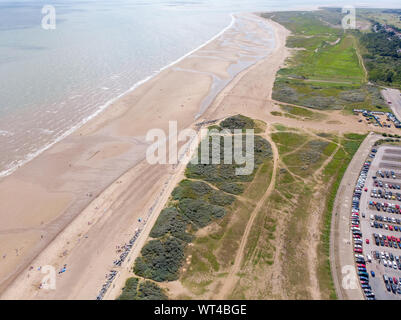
[29,157]
[117,193]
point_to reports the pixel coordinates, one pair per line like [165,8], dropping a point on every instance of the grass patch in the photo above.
[327,73]
[334,173]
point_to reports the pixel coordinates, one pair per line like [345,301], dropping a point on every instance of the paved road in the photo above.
[377,266]
[341,248]
[394,96]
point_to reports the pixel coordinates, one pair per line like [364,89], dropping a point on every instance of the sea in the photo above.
[62,62]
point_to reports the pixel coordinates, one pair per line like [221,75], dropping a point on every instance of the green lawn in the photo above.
[325,72]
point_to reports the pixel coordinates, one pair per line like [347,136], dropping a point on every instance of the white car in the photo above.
[385,263]
[369,258]
[395,265]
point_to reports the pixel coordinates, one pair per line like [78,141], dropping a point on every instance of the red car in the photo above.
[367,241]
[366,189]
[358,250]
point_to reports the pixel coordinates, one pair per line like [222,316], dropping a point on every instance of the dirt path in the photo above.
[361,60]
[314,231]
[319,171]
[231,279]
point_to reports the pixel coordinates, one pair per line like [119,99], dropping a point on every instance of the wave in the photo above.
[18,163]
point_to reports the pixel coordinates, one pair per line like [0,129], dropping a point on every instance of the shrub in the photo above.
[223,173]
[130,289]
[161,259]
[170,222]
[150,291]
[238,122]
[146,290]
[232,187]
[200,213]
[201,191]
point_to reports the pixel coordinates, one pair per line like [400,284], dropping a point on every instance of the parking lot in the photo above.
[376,224]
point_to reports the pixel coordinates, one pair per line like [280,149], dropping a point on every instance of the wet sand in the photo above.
[80,199]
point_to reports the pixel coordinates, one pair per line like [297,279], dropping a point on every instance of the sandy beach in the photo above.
[79,200]
[82,199]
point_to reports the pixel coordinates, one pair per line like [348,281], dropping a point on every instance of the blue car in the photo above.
[372,273]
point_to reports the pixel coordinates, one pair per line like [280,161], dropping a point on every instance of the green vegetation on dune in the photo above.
[223,174]
[237,122]
[203,198]
[323,61]
[285,217]
[309,23]
[298,113]
[136,289]
[325,72]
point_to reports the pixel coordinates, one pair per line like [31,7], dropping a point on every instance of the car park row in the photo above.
[357,234]
[376,224]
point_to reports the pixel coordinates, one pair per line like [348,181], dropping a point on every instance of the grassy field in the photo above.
[286,250]
[325,71]
[298,113]
[390,17]
[277,264]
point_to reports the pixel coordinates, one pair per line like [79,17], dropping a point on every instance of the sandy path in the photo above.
[231,279]
[362,63]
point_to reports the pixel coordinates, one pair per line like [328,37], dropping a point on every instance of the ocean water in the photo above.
[52,81]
